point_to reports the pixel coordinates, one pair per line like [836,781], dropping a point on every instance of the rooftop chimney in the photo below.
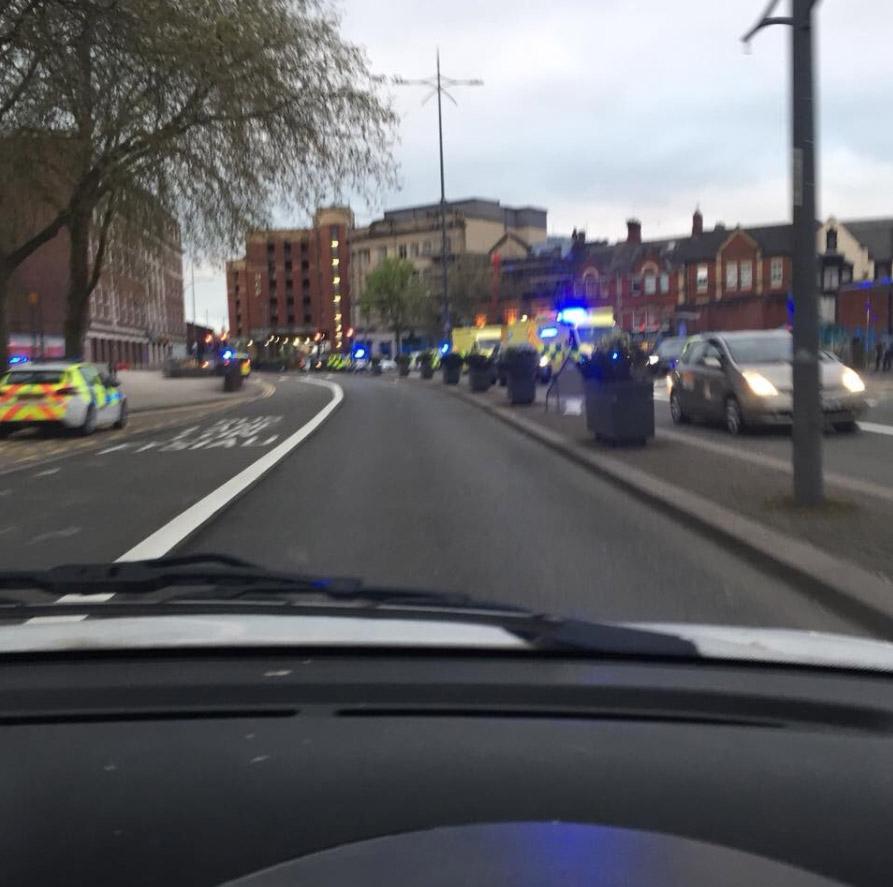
[633,231]
[697,224]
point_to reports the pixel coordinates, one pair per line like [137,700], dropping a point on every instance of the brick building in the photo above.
[136,310]
[294,283]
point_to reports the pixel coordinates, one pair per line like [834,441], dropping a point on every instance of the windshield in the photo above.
[33,377]
[336,283]
[761,349]
[671,348]
[591,335]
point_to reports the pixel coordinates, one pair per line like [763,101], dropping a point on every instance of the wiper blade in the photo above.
[200,578]
[221,581]
[140,577]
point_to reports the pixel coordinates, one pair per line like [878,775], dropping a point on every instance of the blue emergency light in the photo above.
[572,315]
[360,353]
[549,332]
[17,358]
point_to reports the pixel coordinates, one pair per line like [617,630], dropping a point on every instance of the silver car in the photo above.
[746,378]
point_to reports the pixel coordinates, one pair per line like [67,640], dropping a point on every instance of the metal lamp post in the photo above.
[807,433]
[439,86]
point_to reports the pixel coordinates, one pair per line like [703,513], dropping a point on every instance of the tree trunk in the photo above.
[77,319]
[5,277]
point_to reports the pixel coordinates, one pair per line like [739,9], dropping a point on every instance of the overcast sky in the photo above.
[603,109]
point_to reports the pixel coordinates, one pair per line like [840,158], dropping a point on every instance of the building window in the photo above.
[291,319]
[287,247]
[832,279]
[381,253]
[831,241]
[271,247]
[401,251]
[290,300]
[703,278]
[288,265]
[665,283]
[731,276]
[776,273]
[635,285]
[426,248]
[334,232]
[746,275]
[306,300]
[305,283]
[590,286]
[414,250]
[650,284]
[846,275]
[308,318]
[336,263]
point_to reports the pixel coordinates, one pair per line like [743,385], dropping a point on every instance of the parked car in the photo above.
[665,356]
[60,394]
[746,378]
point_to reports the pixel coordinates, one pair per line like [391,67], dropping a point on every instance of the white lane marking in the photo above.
[65,533]
[48,472]
[55,620]
[185,524]
[853,484]
[112,449]
[875,428]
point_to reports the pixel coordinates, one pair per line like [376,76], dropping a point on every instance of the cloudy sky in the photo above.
[603,109]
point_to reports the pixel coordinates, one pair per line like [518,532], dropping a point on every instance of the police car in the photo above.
[60,394]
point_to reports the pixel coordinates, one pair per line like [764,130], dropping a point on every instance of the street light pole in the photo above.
[807,431]
[439,86]
[447,326]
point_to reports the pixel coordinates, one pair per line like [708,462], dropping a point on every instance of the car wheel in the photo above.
[678,416]
[122,416]
[734,416]
[5,431]
[89,425]
[851,426]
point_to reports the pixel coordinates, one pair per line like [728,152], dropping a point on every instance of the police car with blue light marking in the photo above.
[60,394]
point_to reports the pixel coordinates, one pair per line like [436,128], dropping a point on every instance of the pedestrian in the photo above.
[878,355]
[888,356]
[857,352]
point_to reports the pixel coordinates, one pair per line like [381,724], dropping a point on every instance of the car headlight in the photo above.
[852,381]
[653,359]
[544,361]
[760,385]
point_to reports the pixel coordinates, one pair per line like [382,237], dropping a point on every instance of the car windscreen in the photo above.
[33,377]
[671,347]
[761,349]
[592,334]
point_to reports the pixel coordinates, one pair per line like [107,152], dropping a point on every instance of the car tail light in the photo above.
[66,392]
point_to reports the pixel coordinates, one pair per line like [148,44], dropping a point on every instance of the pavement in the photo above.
[151,390]
[402,485]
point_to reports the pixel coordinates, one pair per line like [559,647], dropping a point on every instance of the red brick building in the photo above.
[293,283]
[718,279]
[136,310]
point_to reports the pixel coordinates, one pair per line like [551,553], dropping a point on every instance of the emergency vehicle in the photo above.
[61,394]
[478,339]
[559,336]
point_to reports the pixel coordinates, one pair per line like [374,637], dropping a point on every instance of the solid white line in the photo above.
[185,524]
[874,428]
[48,472]
[112,449]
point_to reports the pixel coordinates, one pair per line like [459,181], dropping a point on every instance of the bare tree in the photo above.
[210,111]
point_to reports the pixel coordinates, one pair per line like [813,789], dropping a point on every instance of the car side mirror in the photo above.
[713,362]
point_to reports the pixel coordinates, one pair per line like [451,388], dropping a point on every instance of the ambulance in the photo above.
[478,339]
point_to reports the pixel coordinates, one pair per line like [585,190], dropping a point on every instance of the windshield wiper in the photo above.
[220,581]
[194,578]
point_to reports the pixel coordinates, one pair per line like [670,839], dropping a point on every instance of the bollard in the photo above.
[232,378]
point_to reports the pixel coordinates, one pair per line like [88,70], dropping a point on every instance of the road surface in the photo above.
[402,485]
